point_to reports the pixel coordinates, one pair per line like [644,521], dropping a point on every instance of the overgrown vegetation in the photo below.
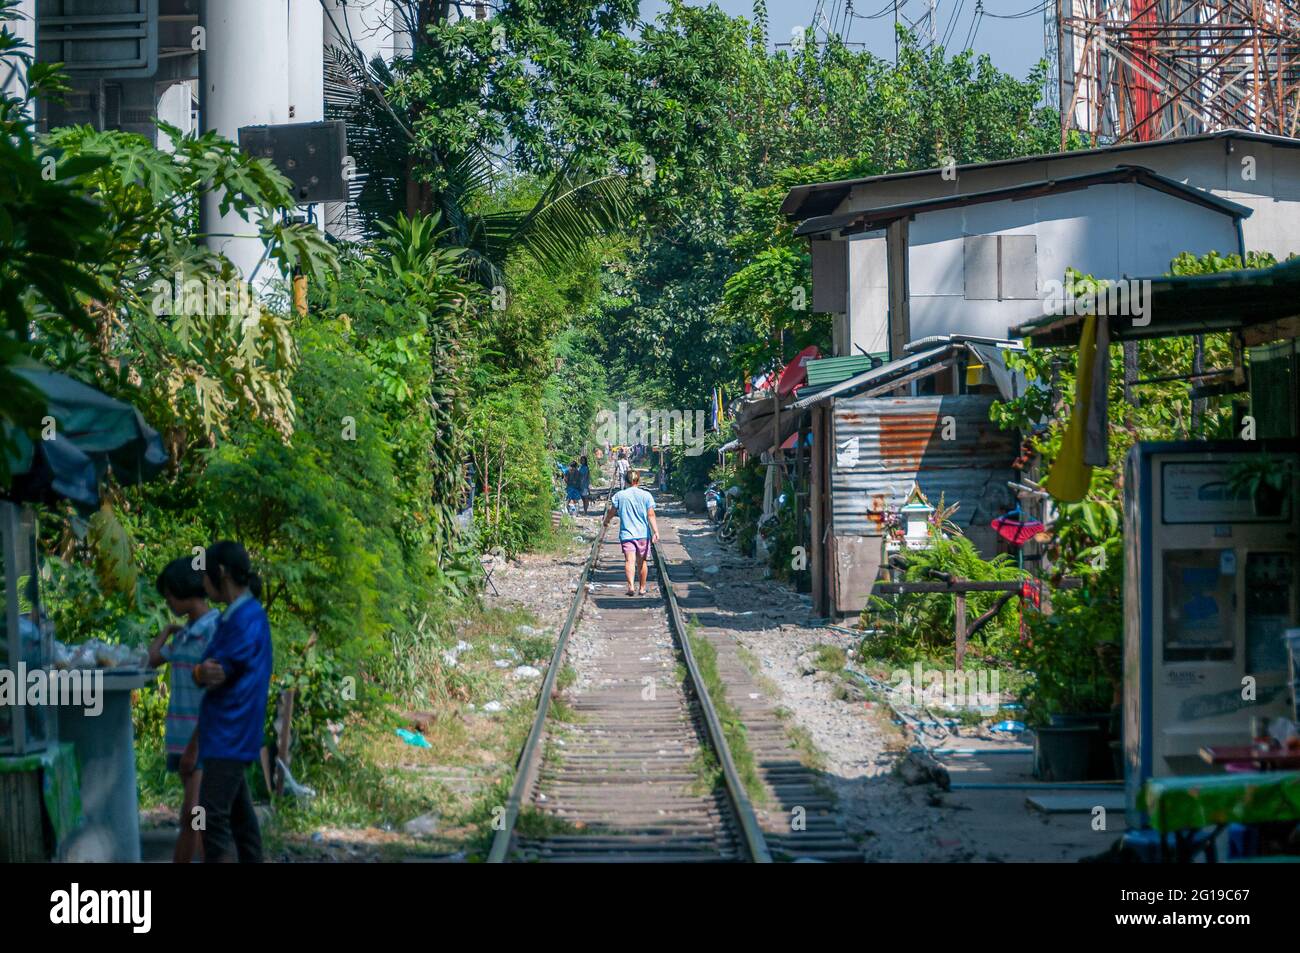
[1073,654]
[557,212]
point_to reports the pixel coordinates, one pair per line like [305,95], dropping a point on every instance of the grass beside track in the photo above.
[733,728]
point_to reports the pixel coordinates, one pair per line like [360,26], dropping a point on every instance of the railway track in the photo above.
[626,777]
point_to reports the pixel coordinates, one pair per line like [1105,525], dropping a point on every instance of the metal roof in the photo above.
[987,350]
[876,375]
[1194,304]
[885,445]
[870,219]
[821,198]
[832,370]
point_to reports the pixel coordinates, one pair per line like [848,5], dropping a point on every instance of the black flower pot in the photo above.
[1065,753]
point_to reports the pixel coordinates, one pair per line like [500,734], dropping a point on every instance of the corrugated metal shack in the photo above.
[872,440]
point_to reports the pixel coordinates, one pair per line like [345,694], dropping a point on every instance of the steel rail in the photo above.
[529,763]
[529,760]
[755,842]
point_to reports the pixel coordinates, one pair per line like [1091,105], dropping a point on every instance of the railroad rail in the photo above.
[622,781]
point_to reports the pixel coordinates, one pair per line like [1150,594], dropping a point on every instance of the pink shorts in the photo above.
[639,546]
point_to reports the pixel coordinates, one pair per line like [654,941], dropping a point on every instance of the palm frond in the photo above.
[376,142]
[570,213]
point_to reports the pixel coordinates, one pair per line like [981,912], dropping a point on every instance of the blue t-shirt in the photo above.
[633,506]
[233,715]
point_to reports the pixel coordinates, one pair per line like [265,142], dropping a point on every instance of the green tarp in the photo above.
[60,784]
[92,433]
[1190,803]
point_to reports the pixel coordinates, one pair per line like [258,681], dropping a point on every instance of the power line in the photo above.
[884,11]
[974,24]
[1024,13]
[952,23]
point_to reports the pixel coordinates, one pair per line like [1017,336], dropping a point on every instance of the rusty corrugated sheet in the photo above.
[899,440]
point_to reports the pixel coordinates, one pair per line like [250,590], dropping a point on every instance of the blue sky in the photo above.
[1015,45]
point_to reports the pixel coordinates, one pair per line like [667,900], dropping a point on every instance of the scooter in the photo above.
[713,502]
[726,530]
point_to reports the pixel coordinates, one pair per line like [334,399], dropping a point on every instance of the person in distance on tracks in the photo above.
[621,467]
[584,474]
[573,486]
[637,529]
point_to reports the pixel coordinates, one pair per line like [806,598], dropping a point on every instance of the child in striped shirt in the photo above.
[181,585]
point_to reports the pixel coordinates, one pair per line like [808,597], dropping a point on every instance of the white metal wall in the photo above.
[1109,231]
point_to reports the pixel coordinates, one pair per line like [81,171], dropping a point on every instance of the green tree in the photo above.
[51,234]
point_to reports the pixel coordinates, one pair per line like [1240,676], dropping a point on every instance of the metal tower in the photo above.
[1138,70]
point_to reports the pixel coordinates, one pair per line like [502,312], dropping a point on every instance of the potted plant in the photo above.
[1073,655]
[1263,479]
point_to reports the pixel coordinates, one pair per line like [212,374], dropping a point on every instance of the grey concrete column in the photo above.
[307,70]
[245,72]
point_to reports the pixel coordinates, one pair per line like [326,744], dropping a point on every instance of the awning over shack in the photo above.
[1263,303]
[756,420]
[928,359]
[93,434]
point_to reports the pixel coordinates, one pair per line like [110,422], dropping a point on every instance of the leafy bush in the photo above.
[1073,654]
[922,625]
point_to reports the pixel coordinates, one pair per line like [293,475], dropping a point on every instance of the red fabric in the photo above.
[795,374]
[1014,531]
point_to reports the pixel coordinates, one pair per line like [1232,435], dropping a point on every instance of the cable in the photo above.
[884,11]
[974,24]
[1026,13]
[952,22]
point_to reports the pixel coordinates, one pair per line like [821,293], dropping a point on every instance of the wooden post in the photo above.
[299,293]
[1131,373]
[959,600]
[817,557]
[283,737]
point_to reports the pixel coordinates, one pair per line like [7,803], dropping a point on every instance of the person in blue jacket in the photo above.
[235,674]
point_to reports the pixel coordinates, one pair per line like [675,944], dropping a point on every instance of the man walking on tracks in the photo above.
[621,468]
[637,529]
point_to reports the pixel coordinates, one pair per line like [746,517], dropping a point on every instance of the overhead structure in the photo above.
[1142,70]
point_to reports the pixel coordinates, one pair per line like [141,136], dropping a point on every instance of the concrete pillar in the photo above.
[307,70]
[245,74]
[175,108]
[13,75]
[402,42]
[366,23]
[306,61]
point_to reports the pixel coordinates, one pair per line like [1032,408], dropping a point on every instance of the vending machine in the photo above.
[1210,588]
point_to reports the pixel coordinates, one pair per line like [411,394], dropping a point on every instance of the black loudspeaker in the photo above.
[311,155]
